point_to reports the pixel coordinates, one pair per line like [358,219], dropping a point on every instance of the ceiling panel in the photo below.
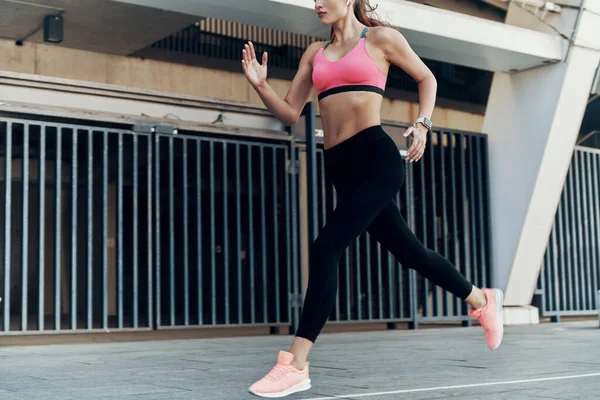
[18,19]
[95,25]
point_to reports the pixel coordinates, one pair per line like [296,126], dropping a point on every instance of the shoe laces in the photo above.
[478,313]
[277,372]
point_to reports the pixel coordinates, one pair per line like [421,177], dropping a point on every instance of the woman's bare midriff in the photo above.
[345,114]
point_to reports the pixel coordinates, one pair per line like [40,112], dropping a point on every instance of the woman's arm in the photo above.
[397,51]
[288,109]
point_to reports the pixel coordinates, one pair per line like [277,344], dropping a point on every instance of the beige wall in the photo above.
[60,62]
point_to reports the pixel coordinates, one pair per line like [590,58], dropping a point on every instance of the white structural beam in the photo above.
[434,33]
[533,120]
[35,94]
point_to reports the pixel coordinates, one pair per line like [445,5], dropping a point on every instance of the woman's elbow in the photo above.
[290,119]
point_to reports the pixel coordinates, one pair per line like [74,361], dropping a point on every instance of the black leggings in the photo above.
[367,172]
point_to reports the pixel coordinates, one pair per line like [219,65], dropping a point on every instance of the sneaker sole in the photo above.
[299,387]
[499,310]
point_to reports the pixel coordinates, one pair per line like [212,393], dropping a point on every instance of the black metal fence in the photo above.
[108,228]
[225,218]
[569,280]
[68,264]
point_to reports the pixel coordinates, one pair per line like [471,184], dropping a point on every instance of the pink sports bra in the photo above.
[356,71]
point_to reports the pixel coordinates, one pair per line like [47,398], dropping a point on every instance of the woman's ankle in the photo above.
[477,298]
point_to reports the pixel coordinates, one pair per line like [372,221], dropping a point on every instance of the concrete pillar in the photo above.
[533,119]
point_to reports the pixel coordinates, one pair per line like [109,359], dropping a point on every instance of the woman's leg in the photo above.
[351,217]
[360,170]
[391,230]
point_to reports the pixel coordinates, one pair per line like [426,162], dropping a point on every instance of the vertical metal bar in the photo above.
[7,220]
[462,212]
[251,237]
[367,239]
[477,273]
[25,229]
[570,241]
[379,282]
[171,234]
[443,297]
[186,252]
[357,265]
[226,234]
[74,165]
[57,231]
[585,181]
[555,277]
[275,208]
[105,231]
[453,143]
[120,248]
[90,238]
[238,232]
[578,266]
[263,233]
[487,200]
[348,282]
[149,171]
[157,190]
[311,169]
[42,214]
[199,231]
[434,236]
[589,232]
[424,225]
[393,265]
[135,173]
[213,283]
[480,210]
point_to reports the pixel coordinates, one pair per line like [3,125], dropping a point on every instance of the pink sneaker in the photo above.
[490,317]
[283,379]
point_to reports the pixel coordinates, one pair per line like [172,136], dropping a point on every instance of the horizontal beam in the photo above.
[40,95]
[434,33]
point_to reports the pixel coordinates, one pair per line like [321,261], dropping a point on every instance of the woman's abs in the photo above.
[345,114]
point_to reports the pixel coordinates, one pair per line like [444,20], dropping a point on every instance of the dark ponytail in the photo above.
[365,14]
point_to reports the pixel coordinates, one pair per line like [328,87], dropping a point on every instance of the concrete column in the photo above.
[533,119]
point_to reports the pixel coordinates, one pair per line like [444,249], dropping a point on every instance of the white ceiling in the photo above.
[95,25]
[434,33]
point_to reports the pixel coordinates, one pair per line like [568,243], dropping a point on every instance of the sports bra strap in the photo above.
[362,36]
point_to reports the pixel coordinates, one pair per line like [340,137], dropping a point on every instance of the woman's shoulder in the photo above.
[383,34]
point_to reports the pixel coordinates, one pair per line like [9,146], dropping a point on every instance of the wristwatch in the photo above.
[425,121]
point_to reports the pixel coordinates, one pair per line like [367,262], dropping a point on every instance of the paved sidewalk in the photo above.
[549,361]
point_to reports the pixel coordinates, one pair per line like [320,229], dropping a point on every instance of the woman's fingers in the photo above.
[252,52]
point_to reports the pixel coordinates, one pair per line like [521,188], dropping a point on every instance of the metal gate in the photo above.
[75,222]
[225,243]
[569,280]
